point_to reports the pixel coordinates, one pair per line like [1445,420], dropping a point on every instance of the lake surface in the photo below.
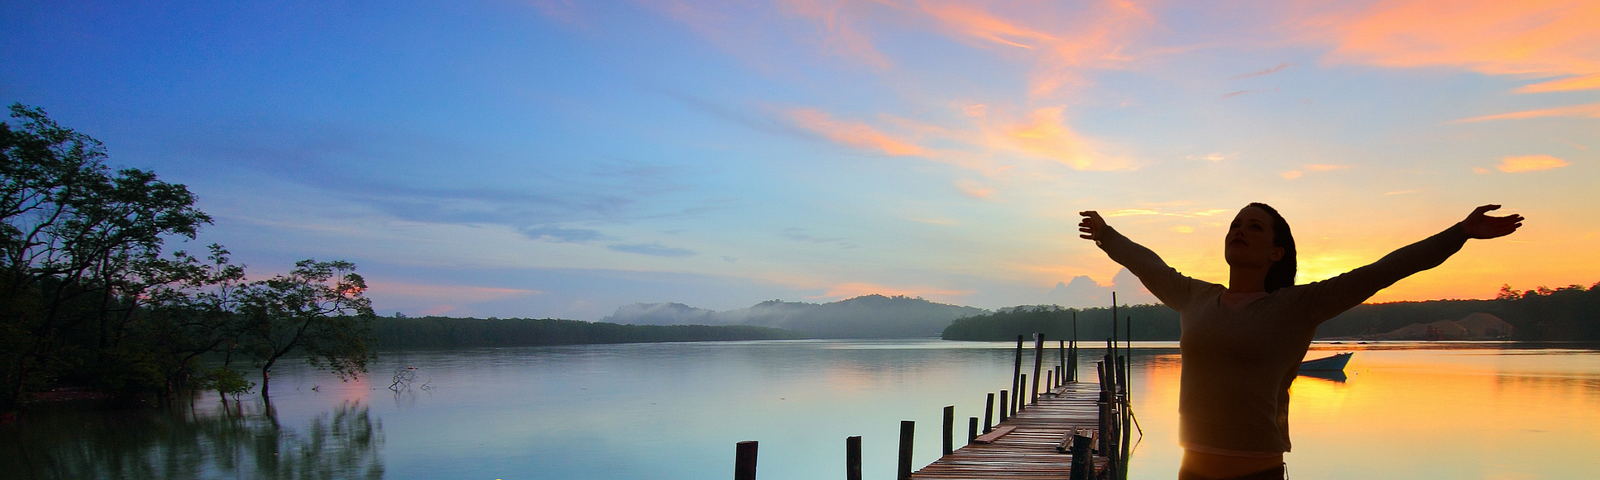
[675,411]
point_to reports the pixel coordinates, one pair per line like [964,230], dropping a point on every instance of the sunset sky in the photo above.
[562,158]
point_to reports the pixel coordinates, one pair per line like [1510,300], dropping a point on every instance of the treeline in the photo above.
[1150,322]
[91,299]
[1569,313]
[445,332]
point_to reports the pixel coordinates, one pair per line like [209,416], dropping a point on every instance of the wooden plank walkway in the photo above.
[1029,451]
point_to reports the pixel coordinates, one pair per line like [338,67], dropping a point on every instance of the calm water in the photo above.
[675,411]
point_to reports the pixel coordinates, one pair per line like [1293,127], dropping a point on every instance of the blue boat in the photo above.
[1333,363]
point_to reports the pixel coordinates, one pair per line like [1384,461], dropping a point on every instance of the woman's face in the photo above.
[1249,240]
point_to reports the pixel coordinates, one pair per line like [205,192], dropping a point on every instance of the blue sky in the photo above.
[549,158]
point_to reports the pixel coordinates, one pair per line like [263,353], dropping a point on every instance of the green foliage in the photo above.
[1570,313]
[89,298]
[444,332]
[226,381]
[317,309]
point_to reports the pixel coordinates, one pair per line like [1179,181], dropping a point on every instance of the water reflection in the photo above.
[233,440]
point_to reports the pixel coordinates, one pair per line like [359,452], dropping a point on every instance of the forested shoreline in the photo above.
[1569,313]
[447,332]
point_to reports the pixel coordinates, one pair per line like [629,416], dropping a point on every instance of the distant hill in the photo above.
[869,316]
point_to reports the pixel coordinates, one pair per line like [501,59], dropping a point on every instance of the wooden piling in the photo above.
[972,429]
[949,429]
[988,413]
[852,458]
[907,433]
[1038,363]
[1004,407]
[1017,396]
[1016,379]
[744,462]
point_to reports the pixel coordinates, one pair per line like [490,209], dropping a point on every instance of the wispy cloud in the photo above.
[974,189]
[455,293]
[840,34]
[1590,110]
[1259,73]
[854,134]
[652,249]
[1064,39]
[1530,163]
[1045,134]
[1214,156]
[1133,212]
[1325,168]
[1536,38]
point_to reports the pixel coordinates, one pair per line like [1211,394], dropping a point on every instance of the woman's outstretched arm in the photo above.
[1335,295]
[1173,288]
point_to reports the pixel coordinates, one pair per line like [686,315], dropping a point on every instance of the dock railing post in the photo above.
[744,462]
[949,428]
[972,429]
[852,458]
[1038,363]
[1082,460]
[1018,395]
[1004,407]
[988,414]
[1016,378]
[907,432]
[1050,379]
[1072,349]
[1061,350]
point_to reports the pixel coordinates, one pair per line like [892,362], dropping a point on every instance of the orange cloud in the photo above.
[855,134]
[1094,35]
[1045,136]
[1530,163]
[1591,110]
[1528,38]
[1326,168]
[974,189]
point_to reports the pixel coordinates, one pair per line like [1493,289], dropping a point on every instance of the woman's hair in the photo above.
[1281,274]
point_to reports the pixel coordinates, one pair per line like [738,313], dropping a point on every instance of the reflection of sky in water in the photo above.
[674,411]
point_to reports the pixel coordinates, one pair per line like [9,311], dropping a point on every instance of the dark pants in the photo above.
[1280,472]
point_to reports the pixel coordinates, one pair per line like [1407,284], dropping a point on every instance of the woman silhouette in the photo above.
[1242,343]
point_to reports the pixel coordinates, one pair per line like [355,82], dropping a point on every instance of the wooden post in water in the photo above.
[949,428]
[744,462]
[988,413]
[1017,396]
[1050,379]
[1072,354]
[972,429]
[1016,376]
[907,432]
[1082,459]
[1004,407]
[1038,362]
[1061,349]
[852,458]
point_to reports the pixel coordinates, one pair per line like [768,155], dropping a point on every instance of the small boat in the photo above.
[1334,363]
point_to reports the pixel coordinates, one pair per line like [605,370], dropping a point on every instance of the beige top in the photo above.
[1238,362]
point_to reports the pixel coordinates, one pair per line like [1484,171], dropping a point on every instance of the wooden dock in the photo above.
[1028,451]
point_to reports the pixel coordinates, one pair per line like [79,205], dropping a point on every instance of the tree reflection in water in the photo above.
[235,442]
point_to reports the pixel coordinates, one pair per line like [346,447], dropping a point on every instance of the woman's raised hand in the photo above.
[1090,226]
[1480,225]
